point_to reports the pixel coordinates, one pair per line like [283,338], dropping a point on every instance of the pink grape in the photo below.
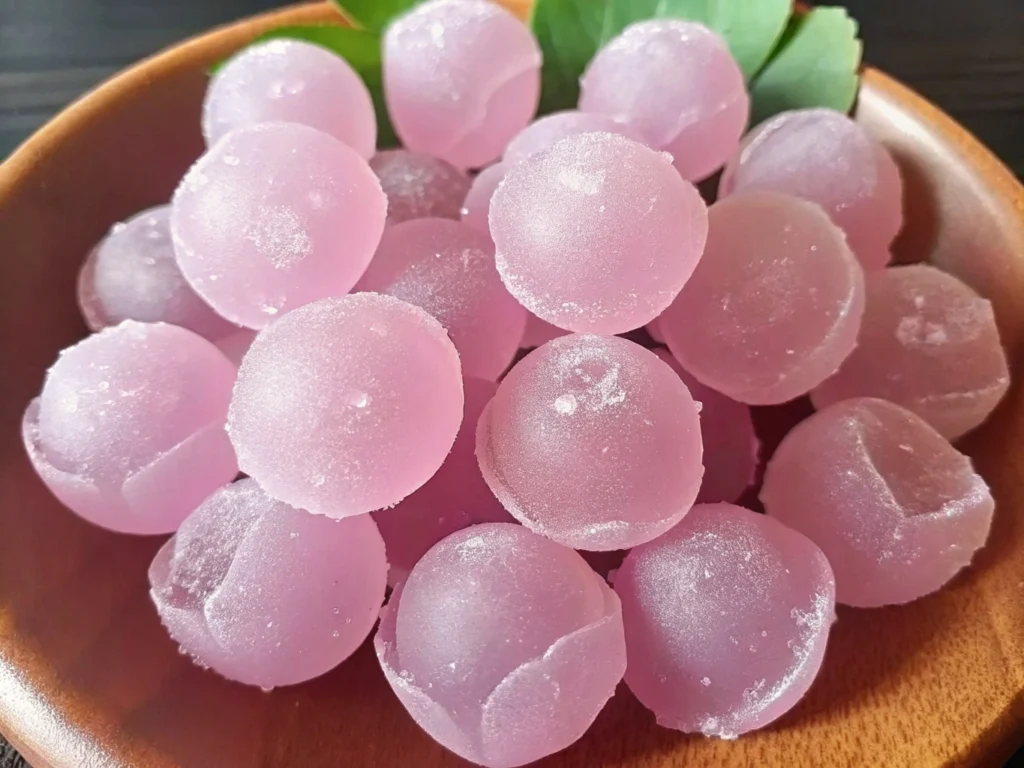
[593,442]
[597,234]
[274,217]
[928,343]
[291,81]
[235,345]
[477,205]
[550,129]
[447,269]
[540,332]
[654,330]
[347,405]
[502,645]
[775,304]
[419,186]
[730,444]
[677,84]
[825,157]
[461,78]
[132,274]
[129,429]
[897,510]
[727,617]
[453,499]
[266,594]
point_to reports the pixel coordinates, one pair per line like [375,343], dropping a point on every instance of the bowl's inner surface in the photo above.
[88,677]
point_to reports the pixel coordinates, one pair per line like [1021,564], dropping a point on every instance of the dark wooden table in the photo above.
[968,57]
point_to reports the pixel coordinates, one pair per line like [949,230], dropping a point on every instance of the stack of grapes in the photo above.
[340,325]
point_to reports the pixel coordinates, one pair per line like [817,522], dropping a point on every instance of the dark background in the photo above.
[967,56]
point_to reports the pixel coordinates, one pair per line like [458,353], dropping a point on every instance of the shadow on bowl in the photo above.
[88,677]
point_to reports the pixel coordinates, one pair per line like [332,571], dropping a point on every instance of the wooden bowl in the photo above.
[88,677]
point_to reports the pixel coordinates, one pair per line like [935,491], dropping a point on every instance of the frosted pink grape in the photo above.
[677,84]
[448,269]
[502,645]
[775,304]
[129,429]
[597,234]
[266,594]
[347,405]
[453,499]
[461,78]
[730,444]
[929,343]
[419,186]
[477,206]
[132,274]
[552,128]
[825,157]
[593,442]
[274,217]
[897,510]
[727,617]
[291,81]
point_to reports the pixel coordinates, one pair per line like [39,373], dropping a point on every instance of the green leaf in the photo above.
[816,65]
[359,48]
[570,32]
[373,15]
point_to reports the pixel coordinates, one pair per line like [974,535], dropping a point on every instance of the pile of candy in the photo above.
[381,450]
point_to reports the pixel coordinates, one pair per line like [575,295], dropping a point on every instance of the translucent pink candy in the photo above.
[477,205]
[594,442]
[266,594]
[448,269]
[726,616]
[825,157]
[730,444]
[453,499]
[291,81]
[774,306]
[347,405]
[597,234]
[419,186]
[677,84]
[461,78]
[273,217]
[897,510]
[928,343]
[502,645]
[550,129]
[129,429]
[133,275]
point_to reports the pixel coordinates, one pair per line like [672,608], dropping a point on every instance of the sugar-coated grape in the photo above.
[267,594]
[477,205]
[502,645]
[448,269]
[597,234]
[291,81]
[594,442]
[730,444]
[132,274]
[676,83]
[453,499]
[129,429]
[775,304]
[825,157]
[461,78]
[928,343]
[897,510]
[419,186]
[550,129]
[273,217]
[347,405]
[726,617]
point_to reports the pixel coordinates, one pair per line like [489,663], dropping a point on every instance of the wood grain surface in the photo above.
[966,56]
